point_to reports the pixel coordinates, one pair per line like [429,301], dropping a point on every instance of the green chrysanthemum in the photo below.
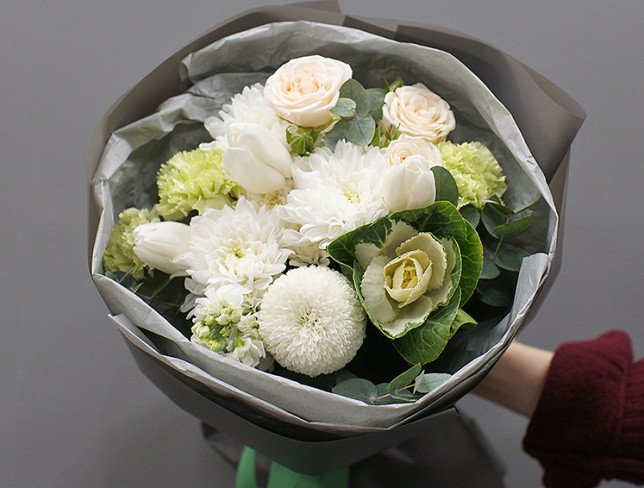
[119,254]
[193,180]
[478,174]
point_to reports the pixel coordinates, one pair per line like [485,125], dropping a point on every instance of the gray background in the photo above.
[74,410]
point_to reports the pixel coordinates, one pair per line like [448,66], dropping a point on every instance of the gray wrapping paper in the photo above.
[129,159]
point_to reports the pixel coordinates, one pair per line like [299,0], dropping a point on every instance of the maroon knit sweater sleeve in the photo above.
[589,423]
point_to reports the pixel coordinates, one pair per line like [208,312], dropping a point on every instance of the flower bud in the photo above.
[408,185]
[158,243]
[256,159]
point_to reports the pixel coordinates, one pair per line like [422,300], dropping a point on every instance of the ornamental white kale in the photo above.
[412,272]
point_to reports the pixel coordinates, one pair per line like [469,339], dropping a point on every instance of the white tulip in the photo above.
[256,159]
[158,243]
[408,185]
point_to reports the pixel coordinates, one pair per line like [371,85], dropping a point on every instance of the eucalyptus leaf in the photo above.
[360,130]
[490,270]
[336,134]
[425,343]
[430,381]
[446,189]
[493,217]
[497,204]
[376,101]
[493,293]
[355,91]
[382,395]
[516,226]
[531,203]
[399,387]
[509,257]
[471,214]
[343,375]
[405,379]
[357,388]
[345,108]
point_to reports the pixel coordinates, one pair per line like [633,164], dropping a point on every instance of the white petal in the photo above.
[262,144]
[373,291]
[250,173]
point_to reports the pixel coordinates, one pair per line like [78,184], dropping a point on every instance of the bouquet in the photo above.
[332,234]
[321,214]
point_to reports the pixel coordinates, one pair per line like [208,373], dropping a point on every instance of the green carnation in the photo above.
[119,255]
[193,180]
[478,174]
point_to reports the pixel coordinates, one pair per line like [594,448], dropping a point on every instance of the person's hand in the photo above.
[517,380]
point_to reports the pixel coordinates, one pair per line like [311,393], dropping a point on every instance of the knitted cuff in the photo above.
[588,424]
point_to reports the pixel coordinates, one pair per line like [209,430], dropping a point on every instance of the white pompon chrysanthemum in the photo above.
[238,246]
[311,321]
[247,107]
[334,193]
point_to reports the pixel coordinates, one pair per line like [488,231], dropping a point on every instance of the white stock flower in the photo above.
[311,321]
[255,158]
[224,323]
[158,243]
[408,182]
[335,192]
[225,304]
[235,246]
[304,90]
[416,111]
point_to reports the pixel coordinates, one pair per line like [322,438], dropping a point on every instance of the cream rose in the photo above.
[416,111]
[405,146]
[304,90]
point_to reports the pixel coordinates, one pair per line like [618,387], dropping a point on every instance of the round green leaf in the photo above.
[345,108]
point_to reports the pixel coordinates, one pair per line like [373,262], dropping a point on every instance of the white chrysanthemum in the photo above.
[246,107]
[311,321]
[272,199]
[335,192]
[237,245]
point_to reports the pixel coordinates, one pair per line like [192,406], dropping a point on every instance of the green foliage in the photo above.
[471,214]
[397,83]
[425,343]
[501,255]
[407,387]
[446,189]
[359,111]
[302,140]
[430,381]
